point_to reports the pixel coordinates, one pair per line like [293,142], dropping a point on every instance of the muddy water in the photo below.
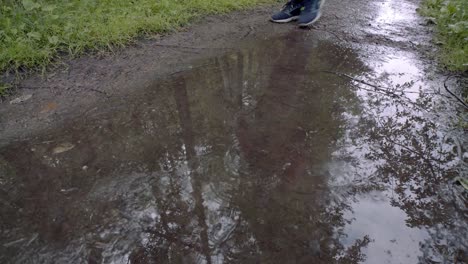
[268,154]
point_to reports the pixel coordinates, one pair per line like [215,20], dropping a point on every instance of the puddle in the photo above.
[391,17]
[391,13]
[392,240]
[258,156]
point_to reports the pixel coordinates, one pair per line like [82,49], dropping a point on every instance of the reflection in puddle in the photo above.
[390,12]
[246,158]
[402,70]
[392,17]
[374,215]
[399,71]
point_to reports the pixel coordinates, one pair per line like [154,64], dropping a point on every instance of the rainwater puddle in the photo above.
[391,17]
[396,71]
[393,241]
[264,155]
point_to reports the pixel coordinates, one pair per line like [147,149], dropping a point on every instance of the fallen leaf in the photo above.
[49,107]
[63,148]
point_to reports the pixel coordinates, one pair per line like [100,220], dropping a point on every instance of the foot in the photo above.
[311,12]
[290,12]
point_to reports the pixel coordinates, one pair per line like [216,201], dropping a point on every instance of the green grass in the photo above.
[34,33]
[451,18]
[4,88]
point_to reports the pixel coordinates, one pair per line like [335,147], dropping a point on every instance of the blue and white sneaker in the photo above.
[290,12]
[311,12]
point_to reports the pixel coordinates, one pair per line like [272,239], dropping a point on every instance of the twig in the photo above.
[101,92]
[248,32]
[380,89]
[370,90]
[452,94]
[377,87]
[34,237]
[9,244]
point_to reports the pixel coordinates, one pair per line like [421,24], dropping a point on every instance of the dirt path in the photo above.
[241,141]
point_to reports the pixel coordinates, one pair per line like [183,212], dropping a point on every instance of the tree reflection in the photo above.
[259,148]
[416,161]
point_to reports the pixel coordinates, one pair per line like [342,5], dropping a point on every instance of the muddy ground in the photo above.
[241,141]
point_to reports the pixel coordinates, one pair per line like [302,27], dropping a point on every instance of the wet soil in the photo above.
[240,141]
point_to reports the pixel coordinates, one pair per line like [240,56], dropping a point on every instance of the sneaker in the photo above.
[291,11]
[311,12]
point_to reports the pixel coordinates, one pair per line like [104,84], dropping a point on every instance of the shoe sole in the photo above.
[287,20]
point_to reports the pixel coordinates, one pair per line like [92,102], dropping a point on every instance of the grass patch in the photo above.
[3,89]
[451,19]
[33,33]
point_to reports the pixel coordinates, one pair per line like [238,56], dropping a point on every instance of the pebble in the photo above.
[63,148]
[21,99]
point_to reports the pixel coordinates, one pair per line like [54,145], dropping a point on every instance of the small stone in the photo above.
[63,148]
[21,99]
